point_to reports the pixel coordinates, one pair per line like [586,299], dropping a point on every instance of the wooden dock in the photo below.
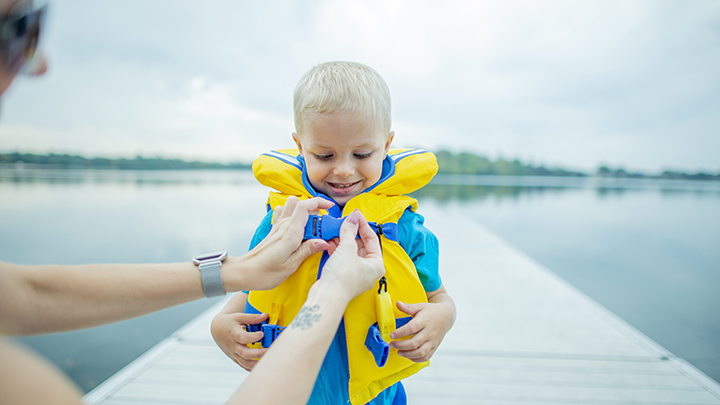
[522,336]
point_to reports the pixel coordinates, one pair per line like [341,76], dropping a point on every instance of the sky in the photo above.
[573,84]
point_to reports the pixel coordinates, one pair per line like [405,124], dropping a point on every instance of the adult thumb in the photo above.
[309,248]
[349,228]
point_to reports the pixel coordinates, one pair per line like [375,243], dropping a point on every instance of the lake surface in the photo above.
[645,249]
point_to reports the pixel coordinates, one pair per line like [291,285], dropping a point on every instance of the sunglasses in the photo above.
[19,36]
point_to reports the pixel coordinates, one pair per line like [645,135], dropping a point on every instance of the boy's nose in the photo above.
[344,169]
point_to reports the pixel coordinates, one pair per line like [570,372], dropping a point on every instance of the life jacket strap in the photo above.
[374,342]
[270,332]
[327,227]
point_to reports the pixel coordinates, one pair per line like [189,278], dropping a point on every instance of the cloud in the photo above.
[558,82]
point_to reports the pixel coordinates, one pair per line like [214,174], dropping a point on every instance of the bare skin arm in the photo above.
[22,370]
[40,299]
[44,299]
[295,358]
[292,363]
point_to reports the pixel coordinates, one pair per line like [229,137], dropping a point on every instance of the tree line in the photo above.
[450,163]
[468,163]
[57,161]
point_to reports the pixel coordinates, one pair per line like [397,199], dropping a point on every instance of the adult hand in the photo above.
[282,251]
[287,372]
[355,264]
[228,331]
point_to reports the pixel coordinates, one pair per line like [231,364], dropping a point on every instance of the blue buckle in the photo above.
[375,343]
[323,227]
[389,230]
[400,322]
[327,227]
[270,333]
[257,327]
[377,346]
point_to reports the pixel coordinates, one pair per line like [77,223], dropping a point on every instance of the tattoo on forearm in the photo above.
[306,318]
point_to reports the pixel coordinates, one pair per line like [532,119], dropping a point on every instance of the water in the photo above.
[76,217]
[645,249]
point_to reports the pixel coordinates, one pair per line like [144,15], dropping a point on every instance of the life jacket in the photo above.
[404,171]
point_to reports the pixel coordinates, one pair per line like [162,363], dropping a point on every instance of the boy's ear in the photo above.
[391,135]
[297,142]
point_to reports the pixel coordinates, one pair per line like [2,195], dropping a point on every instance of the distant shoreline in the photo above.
[450,164]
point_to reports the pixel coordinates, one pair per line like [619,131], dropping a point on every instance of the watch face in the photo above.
[210,256]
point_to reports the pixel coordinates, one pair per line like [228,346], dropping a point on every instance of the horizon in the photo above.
[248,164]
[629,85]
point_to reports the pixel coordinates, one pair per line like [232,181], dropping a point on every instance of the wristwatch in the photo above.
[209,264]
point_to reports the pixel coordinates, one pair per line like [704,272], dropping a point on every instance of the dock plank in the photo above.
[522,336]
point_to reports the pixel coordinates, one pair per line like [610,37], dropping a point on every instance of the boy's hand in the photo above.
[431,321]
[229,333]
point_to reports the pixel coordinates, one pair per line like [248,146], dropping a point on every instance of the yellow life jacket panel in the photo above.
[405,171]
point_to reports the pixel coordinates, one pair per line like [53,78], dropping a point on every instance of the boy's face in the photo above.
[343,153]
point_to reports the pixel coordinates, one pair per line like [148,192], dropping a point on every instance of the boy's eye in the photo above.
[362,155]
[323,157]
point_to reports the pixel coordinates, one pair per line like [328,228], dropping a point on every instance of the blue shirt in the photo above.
[331,386]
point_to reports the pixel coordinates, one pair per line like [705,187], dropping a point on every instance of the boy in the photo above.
[342,121]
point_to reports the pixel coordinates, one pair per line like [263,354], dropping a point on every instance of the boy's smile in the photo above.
[343,152]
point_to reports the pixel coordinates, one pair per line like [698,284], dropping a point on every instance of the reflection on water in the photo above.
[467,193]
[154,177]
[645,249]
[77,217]
[469,188]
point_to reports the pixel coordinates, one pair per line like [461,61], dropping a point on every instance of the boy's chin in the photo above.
[342,200]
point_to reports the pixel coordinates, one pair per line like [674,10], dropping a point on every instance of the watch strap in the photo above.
[212,278]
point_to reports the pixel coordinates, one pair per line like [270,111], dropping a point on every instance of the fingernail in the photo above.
[354,217]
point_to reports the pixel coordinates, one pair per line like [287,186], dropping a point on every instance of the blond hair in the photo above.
[342,87]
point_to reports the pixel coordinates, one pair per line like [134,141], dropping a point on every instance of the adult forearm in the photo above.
[43,299]
[287,372]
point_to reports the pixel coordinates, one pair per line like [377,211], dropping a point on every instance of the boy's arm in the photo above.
[431,322]
[44,299]
[228,331]
[422,247]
